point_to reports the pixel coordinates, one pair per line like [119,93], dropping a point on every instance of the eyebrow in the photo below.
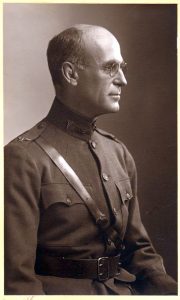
[112,61]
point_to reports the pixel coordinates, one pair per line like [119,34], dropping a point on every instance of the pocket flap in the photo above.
[125,189]
[57,192]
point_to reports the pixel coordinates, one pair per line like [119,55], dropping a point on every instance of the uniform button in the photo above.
[123,247]
[68,201]
[19,138]
[105,176]
[93,143]
[109,242]
[128,195]
[41,126]
[114,211]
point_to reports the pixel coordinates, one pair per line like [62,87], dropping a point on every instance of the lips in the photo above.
[115,96]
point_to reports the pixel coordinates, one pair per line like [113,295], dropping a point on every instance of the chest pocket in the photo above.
[64,218]
[125,192]
[63,194]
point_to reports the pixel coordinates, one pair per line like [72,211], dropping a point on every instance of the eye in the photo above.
[107,68]
[114,68]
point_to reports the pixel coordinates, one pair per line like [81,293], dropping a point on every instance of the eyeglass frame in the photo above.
[117,66]
[107,67]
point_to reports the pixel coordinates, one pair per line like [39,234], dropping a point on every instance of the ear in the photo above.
[69,73]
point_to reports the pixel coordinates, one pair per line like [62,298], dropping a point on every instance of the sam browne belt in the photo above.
[100,269]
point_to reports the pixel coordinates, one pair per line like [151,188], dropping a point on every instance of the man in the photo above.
[58,241]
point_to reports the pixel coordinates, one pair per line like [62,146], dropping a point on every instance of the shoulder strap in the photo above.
[34,132]
[107,134]
[73,179]
[76,183]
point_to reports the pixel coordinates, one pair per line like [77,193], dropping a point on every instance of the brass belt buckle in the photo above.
[103,268]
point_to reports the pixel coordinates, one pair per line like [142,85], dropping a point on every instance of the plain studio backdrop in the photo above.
[147,120]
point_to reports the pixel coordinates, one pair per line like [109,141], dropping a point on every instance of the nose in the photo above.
[120,78]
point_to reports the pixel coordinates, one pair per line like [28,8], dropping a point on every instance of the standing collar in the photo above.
[70,121]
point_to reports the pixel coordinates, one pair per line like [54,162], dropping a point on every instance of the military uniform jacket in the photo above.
[43,211]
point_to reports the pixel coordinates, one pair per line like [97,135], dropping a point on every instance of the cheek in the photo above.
[104,90]
[96,88]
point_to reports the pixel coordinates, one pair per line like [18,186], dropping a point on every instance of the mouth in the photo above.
[115,96]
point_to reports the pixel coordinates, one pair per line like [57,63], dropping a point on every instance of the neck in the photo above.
[76,112]
[65,96]
[70,120]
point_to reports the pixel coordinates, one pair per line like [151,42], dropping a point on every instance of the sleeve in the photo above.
[140,257]
[21,219]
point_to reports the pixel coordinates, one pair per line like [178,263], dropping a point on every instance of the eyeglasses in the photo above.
[113,68]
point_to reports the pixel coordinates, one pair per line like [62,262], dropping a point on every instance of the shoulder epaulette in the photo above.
[33,133]
[107,134]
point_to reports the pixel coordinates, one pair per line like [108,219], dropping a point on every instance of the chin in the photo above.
[108,109]
[115,107]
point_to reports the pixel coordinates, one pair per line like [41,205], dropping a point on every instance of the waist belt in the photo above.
[100,269]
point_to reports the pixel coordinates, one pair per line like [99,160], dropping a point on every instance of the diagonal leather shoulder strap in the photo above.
[73,179]
[76,183]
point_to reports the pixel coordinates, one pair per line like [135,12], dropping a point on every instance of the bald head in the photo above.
[76,44]
[95,39]
[92,30]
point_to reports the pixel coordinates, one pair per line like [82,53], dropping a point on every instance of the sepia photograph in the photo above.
[90,149]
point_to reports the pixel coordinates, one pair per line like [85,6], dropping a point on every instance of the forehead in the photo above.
[101,46]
